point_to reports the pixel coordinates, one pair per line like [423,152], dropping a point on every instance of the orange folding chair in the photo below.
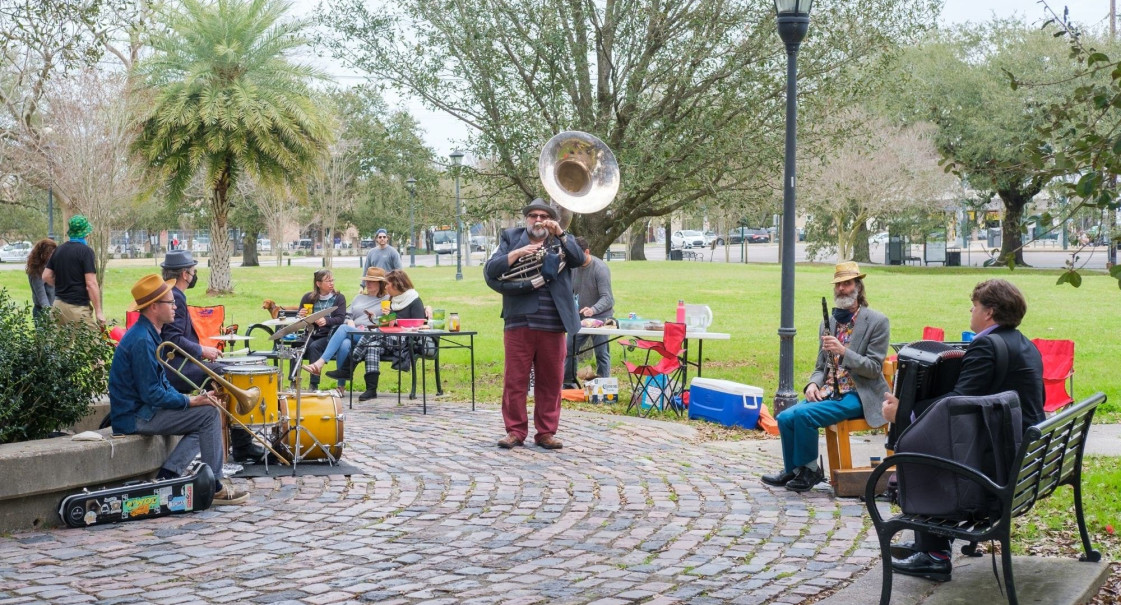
[931,333]
[1058,370]
[208,324]
[654,385]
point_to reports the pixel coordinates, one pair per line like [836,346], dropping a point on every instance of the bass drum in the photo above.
[321,417]
[267,379]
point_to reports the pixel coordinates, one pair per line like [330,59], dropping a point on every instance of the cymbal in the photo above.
[301,323]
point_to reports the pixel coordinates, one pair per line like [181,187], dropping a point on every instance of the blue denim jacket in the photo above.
[137,382]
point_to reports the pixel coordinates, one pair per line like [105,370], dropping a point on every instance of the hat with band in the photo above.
[148,290]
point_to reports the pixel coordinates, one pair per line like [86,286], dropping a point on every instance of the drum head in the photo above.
[251,369]
[244,360]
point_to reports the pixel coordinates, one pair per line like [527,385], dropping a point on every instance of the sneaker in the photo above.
[230,495]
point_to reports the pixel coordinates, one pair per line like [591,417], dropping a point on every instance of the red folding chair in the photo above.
[655,385]
[930,333]
[1058,370]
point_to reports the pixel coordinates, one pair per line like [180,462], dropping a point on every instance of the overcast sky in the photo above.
[442,131]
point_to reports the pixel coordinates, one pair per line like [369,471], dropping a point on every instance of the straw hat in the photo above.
[374,274]
[846,271]
[148,290]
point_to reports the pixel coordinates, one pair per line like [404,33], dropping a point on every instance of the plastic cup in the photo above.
[967,336]
[307,309]
[438,314]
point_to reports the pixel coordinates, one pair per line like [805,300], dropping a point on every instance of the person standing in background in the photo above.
[382,255]
[591,283]
[72,271]
[42,293]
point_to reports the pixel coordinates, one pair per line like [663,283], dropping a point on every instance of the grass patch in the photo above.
[744,300]
[1050,528]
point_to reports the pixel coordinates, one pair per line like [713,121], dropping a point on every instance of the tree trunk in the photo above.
[1011,240]
[860,252]
[328,248]
[668,226]
[636,247]
[249,255]
[220,282]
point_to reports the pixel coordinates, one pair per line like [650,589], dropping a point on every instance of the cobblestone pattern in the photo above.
[629,511]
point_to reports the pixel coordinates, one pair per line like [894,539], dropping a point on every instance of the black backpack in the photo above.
[980,432]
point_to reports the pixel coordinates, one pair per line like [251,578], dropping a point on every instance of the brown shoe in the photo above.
[549,442]
[230,495]
[510,441]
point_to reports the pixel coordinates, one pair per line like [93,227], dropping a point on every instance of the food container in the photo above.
[453,322]
[632,324]
[410,323]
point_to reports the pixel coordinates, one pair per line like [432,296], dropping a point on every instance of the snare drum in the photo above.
[267,379]
[321,416]
[244,360]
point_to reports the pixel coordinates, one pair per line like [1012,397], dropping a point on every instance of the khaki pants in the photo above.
[74,313]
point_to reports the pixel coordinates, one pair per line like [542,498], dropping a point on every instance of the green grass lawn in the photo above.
[744,298]
[1050,528]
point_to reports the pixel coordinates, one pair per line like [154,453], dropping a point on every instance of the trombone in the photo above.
[246,399]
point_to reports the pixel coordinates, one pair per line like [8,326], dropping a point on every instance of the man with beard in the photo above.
[179,266]
[538,313]
[847,382]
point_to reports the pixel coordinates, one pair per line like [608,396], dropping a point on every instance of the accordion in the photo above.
[926,370]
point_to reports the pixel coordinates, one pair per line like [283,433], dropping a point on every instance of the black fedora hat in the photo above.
[539,204]
[179,259]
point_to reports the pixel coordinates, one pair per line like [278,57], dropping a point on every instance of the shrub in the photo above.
[49,373]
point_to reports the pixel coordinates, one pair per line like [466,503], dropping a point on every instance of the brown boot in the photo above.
[510,441]
[548,442]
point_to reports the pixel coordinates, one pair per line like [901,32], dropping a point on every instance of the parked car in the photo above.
[688,238]
[751,236]
[15,252]
[710,236]
[482,243]
[264,245]
[878,239]
[366,244]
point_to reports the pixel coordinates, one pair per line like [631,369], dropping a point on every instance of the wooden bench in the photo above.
[1050,456]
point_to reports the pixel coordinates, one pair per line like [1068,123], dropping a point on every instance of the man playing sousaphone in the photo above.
[143,402]
[538,310]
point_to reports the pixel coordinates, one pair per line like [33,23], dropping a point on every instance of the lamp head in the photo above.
[411,184]
[793,21]
[457,157]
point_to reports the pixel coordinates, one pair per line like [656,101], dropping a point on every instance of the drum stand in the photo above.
[296,355]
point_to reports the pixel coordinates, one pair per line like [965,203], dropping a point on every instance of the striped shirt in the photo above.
[544,319]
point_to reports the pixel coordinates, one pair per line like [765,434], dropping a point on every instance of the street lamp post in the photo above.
[457,157]
[793,18]
[412,227]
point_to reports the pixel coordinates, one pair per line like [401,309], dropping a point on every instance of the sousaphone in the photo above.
[579,172]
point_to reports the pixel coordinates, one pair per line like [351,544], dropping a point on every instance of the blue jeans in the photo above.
[338,348]
[602,352]
[798,425]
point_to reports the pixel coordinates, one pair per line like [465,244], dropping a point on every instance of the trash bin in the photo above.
[894,250]
[676,255]
[953,258]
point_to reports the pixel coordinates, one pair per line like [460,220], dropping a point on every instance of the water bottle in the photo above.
[680,311]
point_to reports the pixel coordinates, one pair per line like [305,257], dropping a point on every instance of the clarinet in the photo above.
[825,331]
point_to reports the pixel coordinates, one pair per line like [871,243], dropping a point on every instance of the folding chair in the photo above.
[209,322]
[1058,370]
[654,386]
[930,333]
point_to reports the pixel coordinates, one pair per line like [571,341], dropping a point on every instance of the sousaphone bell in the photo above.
[579,172]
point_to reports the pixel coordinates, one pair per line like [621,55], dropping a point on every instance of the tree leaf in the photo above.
[1115,271]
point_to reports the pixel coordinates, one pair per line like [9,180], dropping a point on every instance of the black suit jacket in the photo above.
[517,300]
[1024,374]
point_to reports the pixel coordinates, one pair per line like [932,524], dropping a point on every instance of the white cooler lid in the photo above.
[726,386]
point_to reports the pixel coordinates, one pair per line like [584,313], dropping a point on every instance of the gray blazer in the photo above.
[864,360]
[517,297]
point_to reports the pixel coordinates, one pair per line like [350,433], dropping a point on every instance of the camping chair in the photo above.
[655,385]
[930,333]
[1058,369]
[208,323]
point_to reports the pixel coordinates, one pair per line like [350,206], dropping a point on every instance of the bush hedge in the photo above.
[49,373]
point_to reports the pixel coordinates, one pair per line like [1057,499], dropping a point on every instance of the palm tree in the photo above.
[222,99]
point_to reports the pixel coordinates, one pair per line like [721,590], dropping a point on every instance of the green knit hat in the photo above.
[79,226]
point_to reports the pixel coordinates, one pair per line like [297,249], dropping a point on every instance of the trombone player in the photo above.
[142,401]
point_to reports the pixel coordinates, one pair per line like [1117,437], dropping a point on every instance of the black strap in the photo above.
[1000,363]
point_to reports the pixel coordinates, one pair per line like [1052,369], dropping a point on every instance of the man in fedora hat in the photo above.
[847,382]
[538,313]
[142,401]
[181,268]
[72,270]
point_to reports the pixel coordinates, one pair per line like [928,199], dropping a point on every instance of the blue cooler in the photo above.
[725,402]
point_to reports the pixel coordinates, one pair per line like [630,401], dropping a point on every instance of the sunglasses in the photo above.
[538,216]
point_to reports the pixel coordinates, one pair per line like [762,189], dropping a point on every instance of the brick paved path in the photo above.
[628,511]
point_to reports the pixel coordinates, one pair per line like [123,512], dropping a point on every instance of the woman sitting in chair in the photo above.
[406,304]
[322,297]
[362,315]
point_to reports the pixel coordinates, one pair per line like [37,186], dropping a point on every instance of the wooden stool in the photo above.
[849,481]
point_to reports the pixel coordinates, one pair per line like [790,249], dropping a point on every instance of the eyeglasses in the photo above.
[328,279]
[540,216]
[383,237]
[165,302]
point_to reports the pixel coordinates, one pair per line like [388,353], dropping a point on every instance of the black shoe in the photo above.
[570,385]
[344,372]
[778,479]
[248,453]
[805,479]
[923,565]
[902,550]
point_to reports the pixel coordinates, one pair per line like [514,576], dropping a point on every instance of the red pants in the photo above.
[544,352]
